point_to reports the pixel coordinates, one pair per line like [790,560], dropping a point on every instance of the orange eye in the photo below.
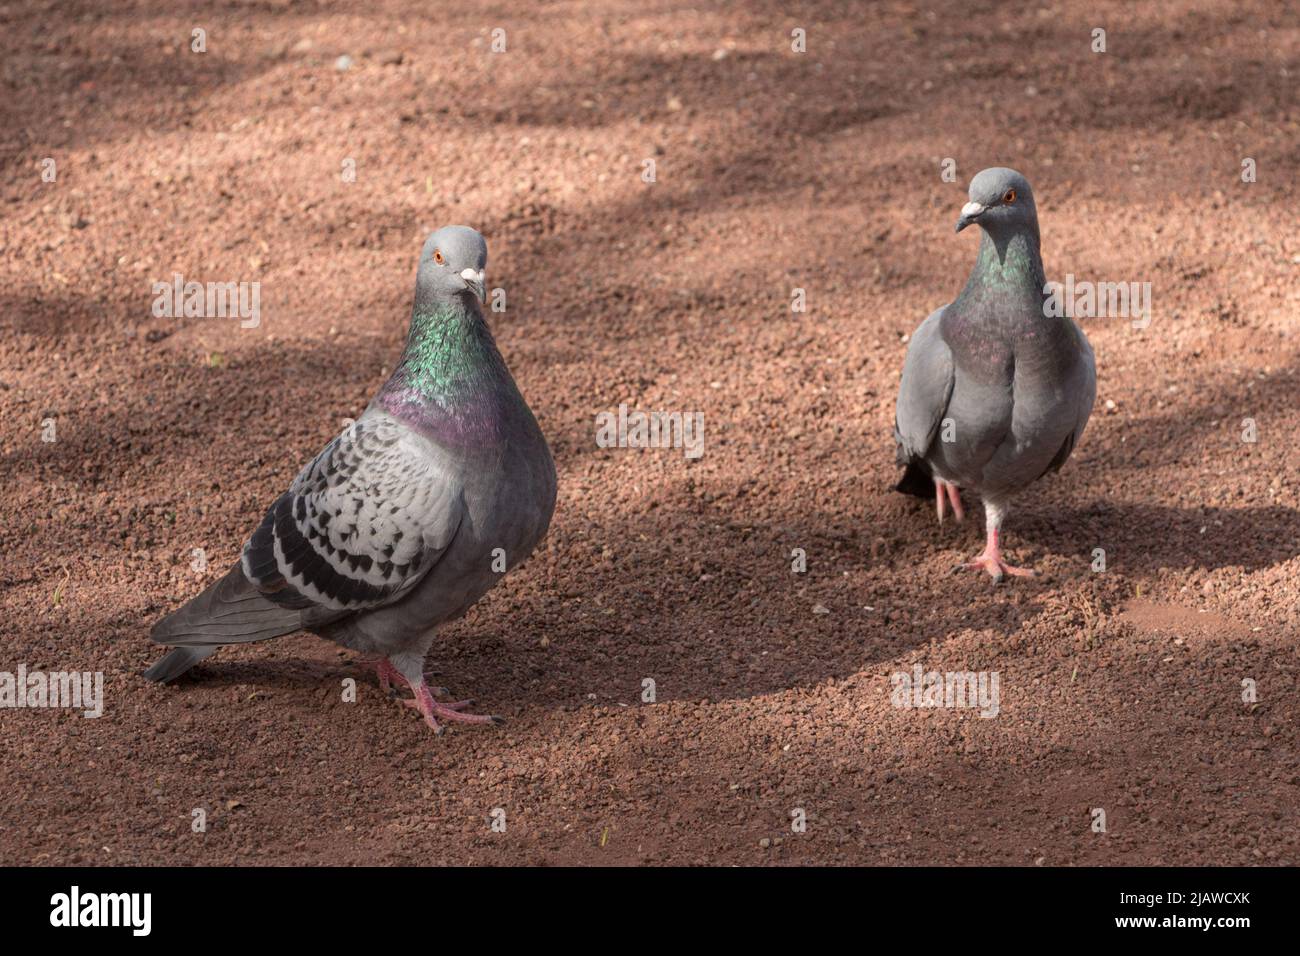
[1010,196]
[437,256]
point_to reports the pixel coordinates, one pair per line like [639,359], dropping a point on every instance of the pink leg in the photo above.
[432,710]
[991,561]
[390,675]
[954,496]
[946,492]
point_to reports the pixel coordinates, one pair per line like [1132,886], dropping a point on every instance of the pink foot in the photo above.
[390,675]
[996,567]
[432,710]
[990,559]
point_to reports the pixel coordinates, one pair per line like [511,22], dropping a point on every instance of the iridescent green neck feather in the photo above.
[451,381]
[1009,270]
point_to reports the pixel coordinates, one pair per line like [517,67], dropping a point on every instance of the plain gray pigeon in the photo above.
[406,518]
[996,389]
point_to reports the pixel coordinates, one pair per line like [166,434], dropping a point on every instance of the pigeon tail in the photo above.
[231,611]
[177,661]
[916,480]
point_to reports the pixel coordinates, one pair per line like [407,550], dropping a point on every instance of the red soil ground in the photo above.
[775,170]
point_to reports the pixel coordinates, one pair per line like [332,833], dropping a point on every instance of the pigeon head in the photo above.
[1001,202]
[452,263]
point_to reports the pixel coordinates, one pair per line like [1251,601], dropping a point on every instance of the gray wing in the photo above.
[359,526]
[924,390]
[1086,394]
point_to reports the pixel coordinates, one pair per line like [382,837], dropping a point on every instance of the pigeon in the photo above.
[996,388]
[406,518]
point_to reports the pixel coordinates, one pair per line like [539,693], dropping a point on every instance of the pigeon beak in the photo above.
[969,213]
[474,281]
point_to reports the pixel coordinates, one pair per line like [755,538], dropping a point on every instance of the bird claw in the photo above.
[452,712]
[424,700]
[996,568]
